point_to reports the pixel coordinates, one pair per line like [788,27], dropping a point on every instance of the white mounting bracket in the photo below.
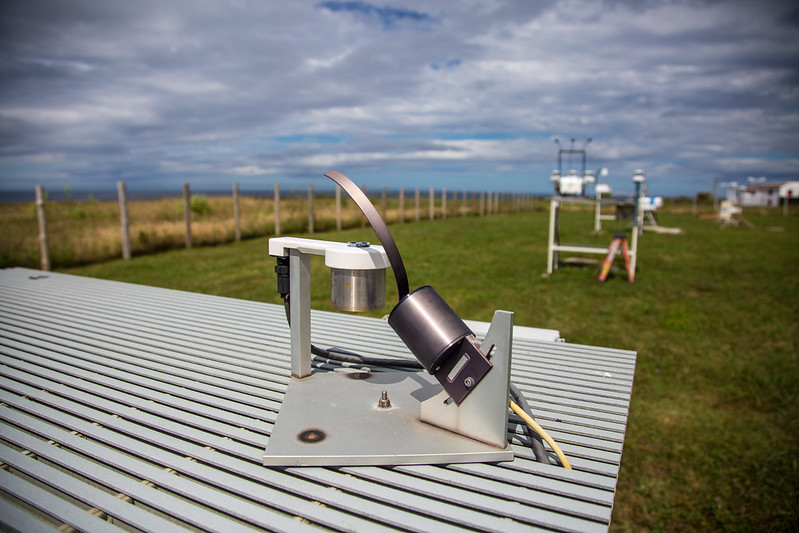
[483,415]
[337,255]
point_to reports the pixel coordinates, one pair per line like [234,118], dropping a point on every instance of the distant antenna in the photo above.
[571,152]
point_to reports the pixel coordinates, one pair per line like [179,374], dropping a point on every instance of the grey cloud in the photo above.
[166,91]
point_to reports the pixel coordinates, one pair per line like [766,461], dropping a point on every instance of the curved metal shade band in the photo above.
[374,218]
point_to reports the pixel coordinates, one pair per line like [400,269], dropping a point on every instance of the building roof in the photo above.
[152,407]
[764,186]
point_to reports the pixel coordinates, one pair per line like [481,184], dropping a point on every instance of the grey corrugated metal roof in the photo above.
[169,397]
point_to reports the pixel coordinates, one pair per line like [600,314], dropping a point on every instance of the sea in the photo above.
[55,195]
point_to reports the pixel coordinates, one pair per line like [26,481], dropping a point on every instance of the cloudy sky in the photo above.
[466,94]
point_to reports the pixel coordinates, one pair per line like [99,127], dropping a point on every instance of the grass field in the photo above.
[713,436]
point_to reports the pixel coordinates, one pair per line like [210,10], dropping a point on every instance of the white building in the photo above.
[790,190]
[763,194]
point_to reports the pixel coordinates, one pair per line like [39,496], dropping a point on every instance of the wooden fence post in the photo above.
[40,213]
[122,194]
[432,204]
[338,208]
[464,203]
[310,209]
[236,213]
[187,212]
[417,202]
[383,204]
[443,203]
[402,206]
[277,208]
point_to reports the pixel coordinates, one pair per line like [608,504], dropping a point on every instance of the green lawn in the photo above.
[713,435]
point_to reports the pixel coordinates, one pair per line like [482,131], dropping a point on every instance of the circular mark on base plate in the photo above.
[311,436]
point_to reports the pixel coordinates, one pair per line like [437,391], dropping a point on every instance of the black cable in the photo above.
[346,356]
[536,442]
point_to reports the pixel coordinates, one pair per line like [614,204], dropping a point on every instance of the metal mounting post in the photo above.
[300,272]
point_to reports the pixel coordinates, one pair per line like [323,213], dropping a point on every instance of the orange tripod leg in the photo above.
[626,251]
[613,249]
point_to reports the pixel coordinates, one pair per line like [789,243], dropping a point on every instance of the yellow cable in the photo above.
[544,435]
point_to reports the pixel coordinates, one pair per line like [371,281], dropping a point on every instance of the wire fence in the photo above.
[73,232]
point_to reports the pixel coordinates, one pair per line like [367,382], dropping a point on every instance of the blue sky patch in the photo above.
[452,63]
[388,16]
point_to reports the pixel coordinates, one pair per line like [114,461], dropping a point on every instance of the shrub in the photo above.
[198,204]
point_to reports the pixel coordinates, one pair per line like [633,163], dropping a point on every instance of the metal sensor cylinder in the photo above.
[358,290]
[428,326]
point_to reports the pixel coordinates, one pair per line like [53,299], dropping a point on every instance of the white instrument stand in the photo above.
[386,416]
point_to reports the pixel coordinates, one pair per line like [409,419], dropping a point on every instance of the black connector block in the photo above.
[283,278]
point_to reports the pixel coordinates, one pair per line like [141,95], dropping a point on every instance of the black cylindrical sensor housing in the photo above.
[428,326]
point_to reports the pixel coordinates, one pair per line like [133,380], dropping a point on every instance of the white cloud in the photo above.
[170,90]
[252,170]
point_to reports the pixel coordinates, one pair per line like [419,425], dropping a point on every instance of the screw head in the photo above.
[468,382]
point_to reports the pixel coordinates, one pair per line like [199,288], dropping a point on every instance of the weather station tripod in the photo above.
[619,242]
